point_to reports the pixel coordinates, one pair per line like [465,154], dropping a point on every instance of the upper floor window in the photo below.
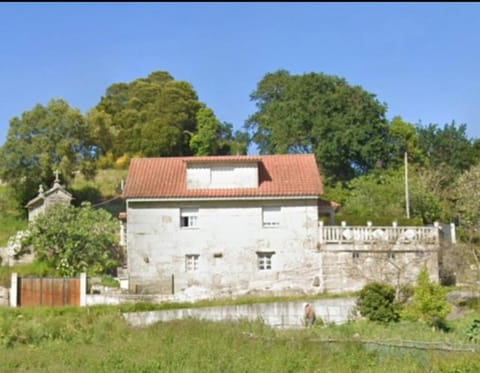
[189,217]
[271,216]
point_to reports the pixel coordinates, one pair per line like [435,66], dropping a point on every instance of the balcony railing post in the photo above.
[321,238]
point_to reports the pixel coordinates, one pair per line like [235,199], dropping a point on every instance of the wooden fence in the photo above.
[45,291]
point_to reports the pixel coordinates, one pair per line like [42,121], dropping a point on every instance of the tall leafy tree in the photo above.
[233,143]
[205,141]
[449,146]
[215,138]
[403,137]
[467,198]
[152,116]
[466,195]
[343,125]
[42,140]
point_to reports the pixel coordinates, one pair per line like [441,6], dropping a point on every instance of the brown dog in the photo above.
[309,315]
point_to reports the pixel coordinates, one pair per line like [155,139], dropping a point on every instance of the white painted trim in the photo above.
[83,289]
[183,199]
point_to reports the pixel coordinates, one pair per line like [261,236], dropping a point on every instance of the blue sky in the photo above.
[422,59]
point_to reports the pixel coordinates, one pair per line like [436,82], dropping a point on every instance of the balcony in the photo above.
[365,235]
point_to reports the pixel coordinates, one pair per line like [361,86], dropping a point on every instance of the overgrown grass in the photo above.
[9,226]
[35,269]
[103,191]
[106,182]
[97,339]
[12,216]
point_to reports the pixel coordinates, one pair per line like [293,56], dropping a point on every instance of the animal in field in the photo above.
[310,316]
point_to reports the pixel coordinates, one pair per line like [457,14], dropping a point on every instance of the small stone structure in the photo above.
[56,194]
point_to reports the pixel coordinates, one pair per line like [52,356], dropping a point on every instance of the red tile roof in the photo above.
[279,175]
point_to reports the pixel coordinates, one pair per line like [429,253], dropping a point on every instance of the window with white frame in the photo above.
[191,262]
[188,217]
[264,261]
[271,217]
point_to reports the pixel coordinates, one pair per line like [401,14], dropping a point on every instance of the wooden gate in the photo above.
[46,291]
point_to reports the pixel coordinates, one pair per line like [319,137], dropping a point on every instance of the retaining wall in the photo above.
[279,314]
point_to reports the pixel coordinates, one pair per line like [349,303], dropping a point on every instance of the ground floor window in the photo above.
[191,262]
[264,261]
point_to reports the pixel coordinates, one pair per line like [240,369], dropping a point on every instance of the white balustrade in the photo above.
[370,234]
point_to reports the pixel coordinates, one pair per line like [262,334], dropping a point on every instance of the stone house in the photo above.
[240,224]
[56,194]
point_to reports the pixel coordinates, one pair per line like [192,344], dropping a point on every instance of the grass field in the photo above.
[97,339]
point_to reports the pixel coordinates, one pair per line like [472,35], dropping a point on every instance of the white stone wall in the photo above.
[228,236]
[342,272]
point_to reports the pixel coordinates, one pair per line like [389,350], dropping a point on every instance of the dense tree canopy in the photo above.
[215,138]
[449,146]
[380,197]
[42,140]
[152,116]
[467,197]
[343,125]
[205,141]
[403,137]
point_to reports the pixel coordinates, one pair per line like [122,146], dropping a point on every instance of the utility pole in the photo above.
[407,204]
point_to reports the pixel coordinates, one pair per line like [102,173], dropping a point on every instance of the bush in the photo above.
[429,303]
[76,239]
[376,302]
[108,280]
[473,331]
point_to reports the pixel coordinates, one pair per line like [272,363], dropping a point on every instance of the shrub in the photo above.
[473,331]
[76,239]
[429,302]
[376,302]
[108,280]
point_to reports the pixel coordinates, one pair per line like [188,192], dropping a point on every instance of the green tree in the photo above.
[215,138]
[151,116]
[205,141]
[448,146]
[376,301]
[466,195]
[343,125]
[42,140]
[75,239]
[429,302]
[380,197]
[403,137]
